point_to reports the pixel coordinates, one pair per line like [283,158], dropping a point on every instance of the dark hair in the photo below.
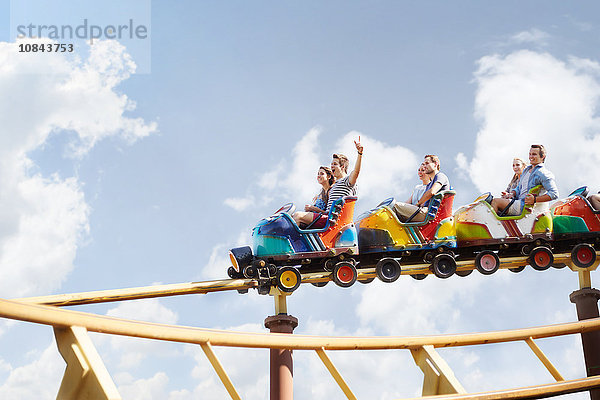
[343,161]
[327,170]
[542,150]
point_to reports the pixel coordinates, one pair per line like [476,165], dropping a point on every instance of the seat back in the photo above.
[440,204]
[342,211]
[340,215]
[440,208]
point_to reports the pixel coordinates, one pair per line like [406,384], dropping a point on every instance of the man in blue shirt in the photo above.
[535,174]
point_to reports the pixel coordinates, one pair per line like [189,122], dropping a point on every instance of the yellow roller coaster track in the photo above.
[177,289]
[422,348]
[86,376]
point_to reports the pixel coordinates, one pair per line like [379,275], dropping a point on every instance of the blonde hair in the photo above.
[516,176]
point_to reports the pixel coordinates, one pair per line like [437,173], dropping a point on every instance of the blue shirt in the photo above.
[539,175]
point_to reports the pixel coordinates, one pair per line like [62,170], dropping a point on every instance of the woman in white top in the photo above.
[419,189]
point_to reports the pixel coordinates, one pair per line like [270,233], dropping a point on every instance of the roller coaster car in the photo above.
[382,234]
[478,226]
[279,244]
[577,227]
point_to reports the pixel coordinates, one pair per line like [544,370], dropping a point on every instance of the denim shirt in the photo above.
[540,176]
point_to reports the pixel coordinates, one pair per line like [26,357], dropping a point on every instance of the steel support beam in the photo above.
[281,360]
[282,363]
[439,378]
[218,367]
[86,376]
[335,374]
[586,301]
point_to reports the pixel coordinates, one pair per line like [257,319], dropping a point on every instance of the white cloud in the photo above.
[299,180]
[528,97]
[131,351]
[248,369]
[150,310]
[386,171]
[37,380]
[38,251]
[404,302]
[240,203]
[43,219]
[153,388]
[218,261]
[534,36]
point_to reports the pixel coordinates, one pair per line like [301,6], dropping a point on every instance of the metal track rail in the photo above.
[86,374]
[177,289]
[98,323]
[531,392]
[145,292]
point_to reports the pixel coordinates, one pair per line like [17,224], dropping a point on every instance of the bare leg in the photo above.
[500,204]
[303,217]
[406,210]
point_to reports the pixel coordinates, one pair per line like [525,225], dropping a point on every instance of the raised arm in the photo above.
[354,174]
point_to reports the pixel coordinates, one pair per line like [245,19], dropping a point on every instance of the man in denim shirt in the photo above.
[535,174]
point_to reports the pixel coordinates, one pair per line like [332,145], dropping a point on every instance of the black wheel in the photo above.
[319,284]
[288,279]
[464,273]
[443,266]
[517,269]
[232,273]
[272,270]
[329,264]
[487,262]
[541,258]
[367,280]
[250,272]
[388,269]
[428,257]
[419,277]
[344,274]
[583,255]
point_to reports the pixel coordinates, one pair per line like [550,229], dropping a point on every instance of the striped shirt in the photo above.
[340,189]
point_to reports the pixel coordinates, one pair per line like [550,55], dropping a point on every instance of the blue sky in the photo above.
[119,177]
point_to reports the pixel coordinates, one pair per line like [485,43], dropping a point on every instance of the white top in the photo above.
[417,193]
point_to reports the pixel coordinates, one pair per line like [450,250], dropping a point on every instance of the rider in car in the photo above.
[438,182]
[535,174]
[345,185]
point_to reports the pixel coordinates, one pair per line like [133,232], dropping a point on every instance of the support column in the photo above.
[282,364]
[86,376]
[438,377]
[586,301]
